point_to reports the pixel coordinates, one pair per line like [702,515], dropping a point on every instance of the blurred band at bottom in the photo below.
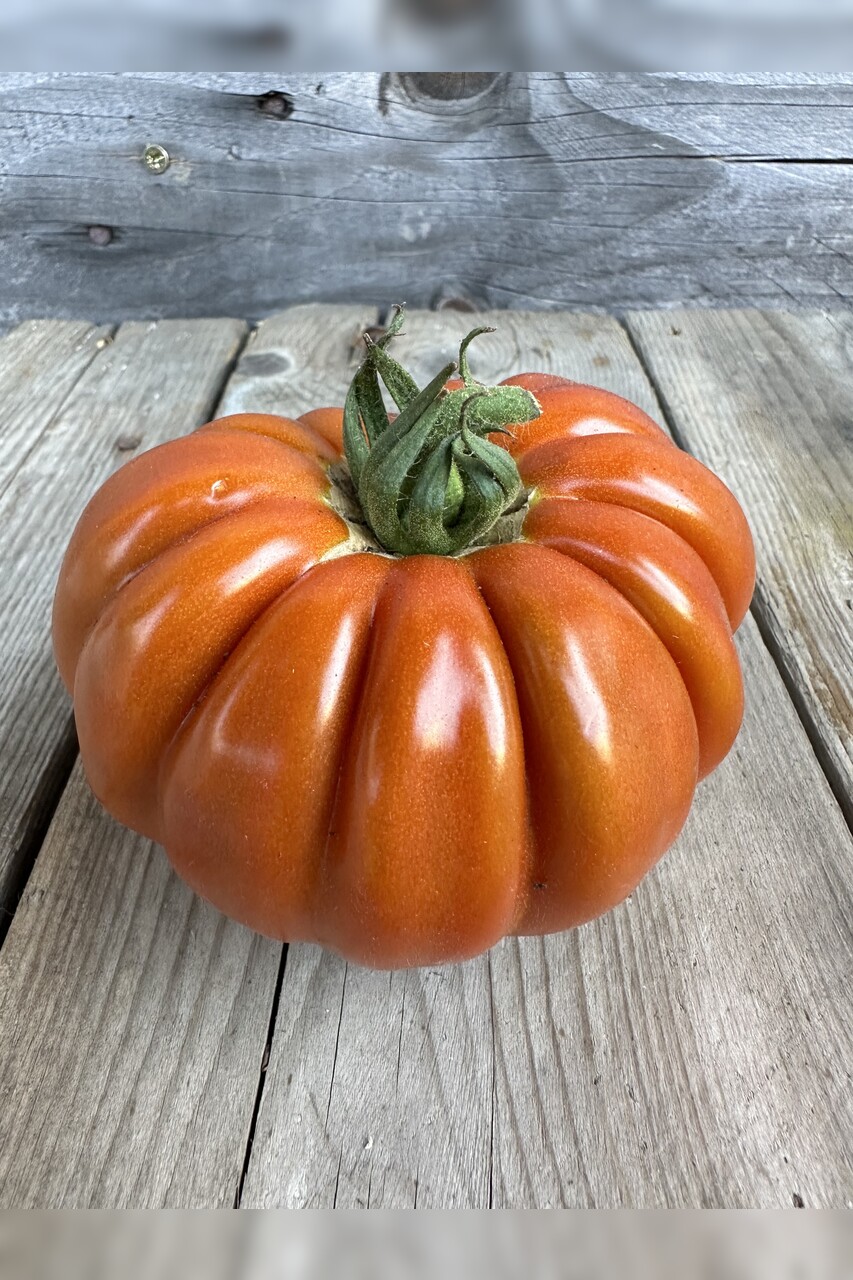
[388,1245]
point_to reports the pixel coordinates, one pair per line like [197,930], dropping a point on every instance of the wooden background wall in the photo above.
[589,190]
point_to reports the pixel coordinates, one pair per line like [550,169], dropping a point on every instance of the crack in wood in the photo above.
[262,1076]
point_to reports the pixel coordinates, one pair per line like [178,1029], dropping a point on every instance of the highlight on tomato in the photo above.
[404,685]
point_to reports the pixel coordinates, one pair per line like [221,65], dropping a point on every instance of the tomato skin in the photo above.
[572,410]
[603,806]
[297,434]
[328,423]
[427,850]
[168,631]
[406,759]
[661,482]
[156,500]
[397,790]
[240,791]
[539,382]
[670,586]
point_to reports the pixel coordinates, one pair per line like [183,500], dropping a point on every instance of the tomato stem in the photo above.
[430,482]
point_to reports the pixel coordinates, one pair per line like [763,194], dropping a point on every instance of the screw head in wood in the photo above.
[156,158]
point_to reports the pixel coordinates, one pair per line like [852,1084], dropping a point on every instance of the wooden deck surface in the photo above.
[693,1048]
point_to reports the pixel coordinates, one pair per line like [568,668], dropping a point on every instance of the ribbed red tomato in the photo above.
[406,757]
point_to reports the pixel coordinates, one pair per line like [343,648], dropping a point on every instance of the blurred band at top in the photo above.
[426,35]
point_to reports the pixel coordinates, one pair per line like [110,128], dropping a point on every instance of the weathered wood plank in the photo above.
[378,1092]
[134,1018]
[768,400]
[40,362]
[592,349]
[154,381]
[544,189]
[691,1048]
[300,360]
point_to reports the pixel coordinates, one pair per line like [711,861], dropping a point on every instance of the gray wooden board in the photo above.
[691,1048]
[133,1018]
[154,381]
[40,362]
[133,1021]
[768,399]
[544,189]
[302,359]
[587,348]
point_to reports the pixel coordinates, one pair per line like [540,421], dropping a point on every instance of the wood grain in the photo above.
[767,399]
[133,1020]
[379,1089]
[300,360]
[587,190]
[154,381]
[689,1049]
[587,348]
[40,362]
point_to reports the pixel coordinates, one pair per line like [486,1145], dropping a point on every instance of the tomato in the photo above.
[328,423]
[407,756]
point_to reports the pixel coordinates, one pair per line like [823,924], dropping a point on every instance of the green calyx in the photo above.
[430,483]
